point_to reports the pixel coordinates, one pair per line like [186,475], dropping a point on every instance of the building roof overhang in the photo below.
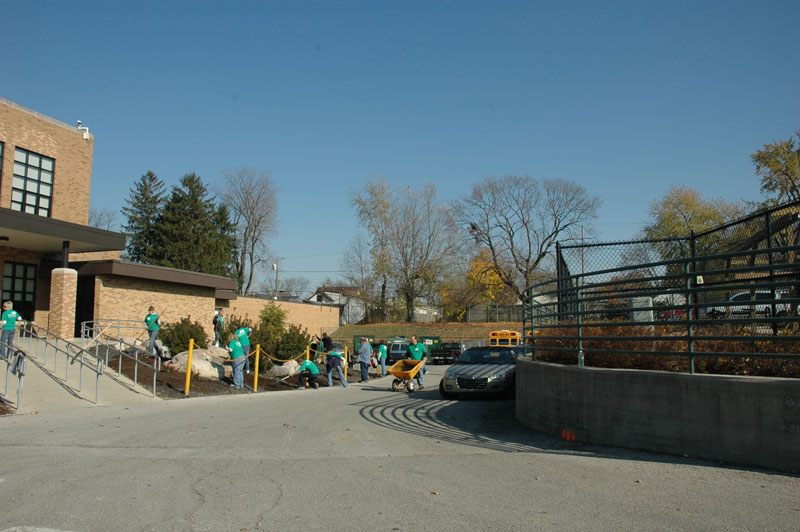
[47,235]
[224,287]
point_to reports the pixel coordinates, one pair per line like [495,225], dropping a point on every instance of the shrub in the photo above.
[176,335]
[292,343]
[773,367]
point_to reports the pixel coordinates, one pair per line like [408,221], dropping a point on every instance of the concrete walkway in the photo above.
[52,384]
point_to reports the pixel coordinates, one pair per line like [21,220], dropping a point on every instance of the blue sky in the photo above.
[625,98]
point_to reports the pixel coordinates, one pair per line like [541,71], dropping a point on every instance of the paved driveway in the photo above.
[356,459]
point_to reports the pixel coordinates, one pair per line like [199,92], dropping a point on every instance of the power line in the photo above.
[313,271]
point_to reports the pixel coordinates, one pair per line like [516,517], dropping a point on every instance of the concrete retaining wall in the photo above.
[743,420]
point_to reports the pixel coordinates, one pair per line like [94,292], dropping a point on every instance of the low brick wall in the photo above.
[316,318]
[743,420]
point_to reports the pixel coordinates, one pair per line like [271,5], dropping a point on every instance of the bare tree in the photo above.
[252,199]
[357,265]
[519,219]
[376,208]
[419,243]
[294,286]
[102,219]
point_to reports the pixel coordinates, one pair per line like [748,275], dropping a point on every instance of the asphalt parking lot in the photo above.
[357,459]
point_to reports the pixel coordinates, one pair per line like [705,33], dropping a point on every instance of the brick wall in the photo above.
[126,298]
[94,255]
[316,318]
[23,128]
[63,291]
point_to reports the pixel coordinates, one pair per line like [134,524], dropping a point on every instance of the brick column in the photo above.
[63,295]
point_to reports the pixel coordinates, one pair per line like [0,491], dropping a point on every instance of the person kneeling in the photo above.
[308,373]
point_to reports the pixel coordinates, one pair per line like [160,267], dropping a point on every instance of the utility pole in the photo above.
[275,267]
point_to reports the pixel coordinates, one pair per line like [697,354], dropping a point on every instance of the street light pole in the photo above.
[275,267]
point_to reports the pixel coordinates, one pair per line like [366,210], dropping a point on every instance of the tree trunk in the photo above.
[384,310]
[409,307]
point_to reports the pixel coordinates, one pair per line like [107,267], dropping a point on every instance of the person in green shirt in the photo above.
[308,373]
[9,323]
[243,334]
[383,351]
[334,363]
[237,360]
[152,322]
[417,351]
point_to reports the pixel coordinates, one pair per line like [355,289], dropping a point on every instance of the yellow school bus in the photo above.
[505,337]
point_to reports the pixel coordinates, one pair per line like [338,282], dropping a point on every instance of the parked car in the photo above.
[481,370]
[741,305]
[397,351]
[446,353]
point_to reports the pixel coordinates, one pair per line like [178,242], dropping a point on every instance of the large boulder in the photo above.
[287,369]
[206,363]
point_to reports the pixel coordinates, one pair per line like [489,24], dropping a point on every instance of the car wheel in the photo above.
[395,384]
[443,393]
[411,386]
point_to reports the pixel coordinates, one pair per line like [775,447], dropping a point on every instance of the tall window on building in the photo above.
[32,183]
[19,286]
[1,159]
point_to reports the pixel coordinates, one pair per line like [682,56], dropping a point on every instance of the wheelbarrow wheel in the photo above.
[395,384]
[411,386]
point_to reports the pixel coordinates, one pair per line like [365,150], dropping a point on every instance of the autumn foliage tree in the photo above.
[778,164]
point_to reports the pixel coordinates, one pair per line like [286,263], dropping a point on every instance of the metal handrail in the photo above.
[11,352]
[97,330]
[73,353]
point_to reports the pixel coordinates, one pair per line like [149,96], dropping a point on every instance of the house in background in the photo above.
[58,271]
[346,298]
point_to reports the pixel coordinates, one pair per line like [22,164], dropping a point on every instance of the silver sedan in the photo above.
[481,370]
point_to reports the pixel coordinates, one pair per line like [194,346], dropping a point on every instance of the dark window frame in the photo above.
[22,279]
[30,196]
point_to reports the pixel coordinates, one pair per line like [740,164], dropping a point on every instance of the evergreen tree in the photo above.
[193,233]
[143,209]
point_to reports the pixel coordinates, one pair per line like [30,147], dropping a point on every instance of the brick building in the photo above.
[60,272]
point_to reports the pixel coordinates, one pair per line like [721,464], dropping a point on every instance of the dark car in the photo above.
[482,370]
[397,351]
[446,353]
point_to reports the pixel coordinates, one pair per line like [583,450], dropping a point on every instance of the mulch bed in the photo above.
[170,384]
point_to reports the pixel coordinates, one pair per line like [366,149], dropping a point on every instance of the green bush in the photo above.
[176,335]
[271,334]
[292,343]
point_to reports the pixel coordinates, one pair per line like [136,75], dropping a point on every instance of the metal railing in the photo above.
[18,364]
[45,346]
[699,306]
[108,335]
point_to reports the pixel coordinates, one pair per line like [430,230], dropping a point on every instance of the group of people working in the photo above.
[309,371]
[239,348]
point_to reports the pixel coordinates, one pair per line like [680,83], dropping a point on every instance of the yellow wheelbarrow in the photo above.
[404,372]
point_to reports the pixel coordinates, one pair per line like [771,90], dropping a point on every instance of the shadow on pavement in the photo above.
[485,423]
